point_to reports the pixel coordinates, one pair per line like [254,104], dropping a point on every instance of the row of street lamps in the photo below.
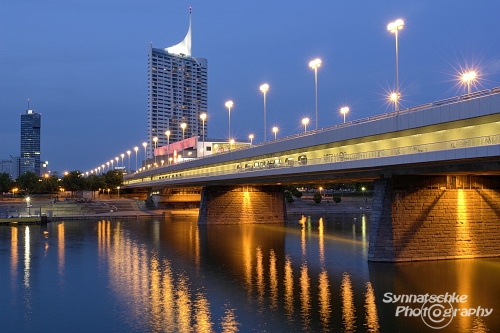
[468,78]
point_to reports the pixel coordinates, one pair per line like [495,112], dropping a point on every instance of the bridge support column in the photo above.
[435,217]
[242,204]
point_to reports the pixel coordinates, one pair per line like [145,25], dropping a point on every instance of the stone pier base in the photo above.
[435,217]
[242,204]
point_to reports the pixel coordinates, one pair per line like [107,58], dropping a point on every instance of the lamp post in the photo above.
[315,64]
[394,27]
[344,110]
[28,199]
[251,136]
[203,117]
[275,131]
[229,105]
[468,78]
[118,188]
[167,133]
[264,88]
[136,149]
[183,126]
[112,162]
[128,153]
[117,159]
[122,156]
[305,121]
[145,144]
[107,164]
[155,141]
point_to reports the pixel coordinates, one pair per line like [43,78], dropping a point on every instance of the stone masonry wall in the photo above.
[429,224]
[237,205]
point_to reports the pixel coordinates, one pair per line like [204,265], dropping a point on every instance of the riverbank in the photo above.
[346,205]
[128,208]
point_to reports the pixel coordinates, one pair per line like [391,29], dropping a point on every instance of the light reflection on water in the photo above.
[174,276]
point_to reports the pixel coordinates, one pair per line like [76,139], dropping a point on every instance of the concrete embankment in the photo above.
[346,205]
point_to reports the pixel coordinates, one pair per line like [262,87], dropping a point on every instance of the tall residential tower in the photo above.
[177,93]
[30,142]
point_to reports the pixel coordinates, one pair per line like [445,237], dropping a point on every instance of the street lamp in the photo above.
[128,153]
[116,158]
[122,156]
[305,121]
[469,78]
[183,126]
[112,161]
[231,143]
[229,105]
[28,199]
[394,27]
[145,144]
[315,64]
[118,188]
[251,136]
[344,110]
[264,88]
[275,131]
[107,164]
[167,133]
[203,117]
[136,149]
[155,141]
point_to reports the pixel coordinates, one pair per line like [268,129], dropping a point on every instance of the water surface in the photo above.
[156,275]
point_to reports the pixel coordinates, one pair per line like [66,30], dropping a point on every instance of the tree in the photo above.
[73,181]
[113,179]
[29,182]
[5,183]
[94,182]
[49,183]
[317,197]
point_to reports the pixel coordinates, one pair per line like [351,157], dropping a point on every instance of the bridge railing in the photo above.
[338,158]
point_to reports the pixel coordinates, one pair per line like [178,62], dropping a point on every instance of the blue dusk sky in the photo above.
[83,64]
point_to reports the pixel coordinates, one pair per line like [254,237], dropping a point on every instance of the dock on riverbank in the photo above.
[23,220]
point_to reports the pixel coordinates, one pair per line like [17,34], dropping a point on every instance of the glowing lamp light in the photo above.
[396,25]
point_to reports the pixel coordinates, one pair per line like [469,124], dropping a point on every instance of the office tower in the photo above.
[177,93]
[30,142]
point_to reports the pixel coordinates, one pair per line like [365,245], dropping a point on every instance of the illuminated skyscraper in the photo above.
[30,142]
[177,93]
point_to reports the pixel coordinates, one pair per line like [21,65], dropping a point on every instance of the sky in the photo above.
[83,64]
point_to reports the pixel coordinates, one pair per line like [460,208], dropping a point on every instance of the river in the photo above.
[171,275]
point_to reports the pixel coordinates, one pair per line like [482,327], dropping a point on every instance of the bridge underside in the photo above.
[242,204]
[435,217]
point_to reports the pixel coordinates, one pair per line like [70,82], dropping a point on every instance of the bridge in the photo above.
[436,171]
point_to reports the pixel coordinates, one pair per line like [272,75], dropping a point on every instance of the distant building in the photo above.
[191,148]
[30,142]
[177,93]
[10,167]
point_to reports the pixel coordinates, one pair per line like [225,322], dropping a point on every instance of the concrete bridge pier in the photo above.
[242,204]
[435,217]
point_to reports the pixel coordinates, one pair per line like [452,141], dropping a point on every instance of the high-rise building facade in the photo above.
[177,94]
[30,142]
